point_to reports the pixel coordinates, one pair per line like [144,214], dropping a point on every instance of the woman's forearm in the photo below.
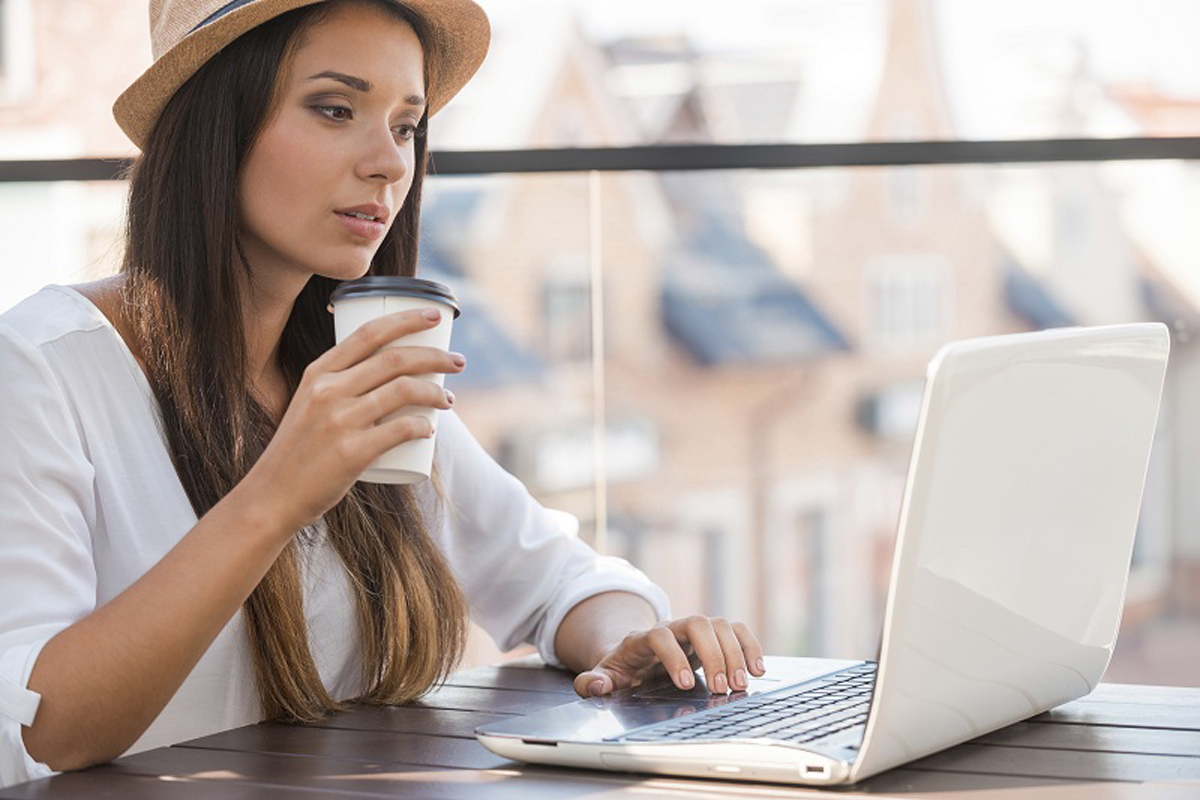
[104,679]
[596,625]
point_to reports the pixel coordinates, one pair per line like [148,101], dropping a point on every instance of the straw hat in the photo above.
[184,34]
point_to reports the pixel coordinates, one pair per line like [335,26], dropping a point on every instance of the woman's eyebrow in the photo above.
[360,84]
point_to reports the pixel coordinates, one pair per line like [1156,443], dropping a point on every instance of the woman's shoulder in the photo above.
[58,339]
[48,316]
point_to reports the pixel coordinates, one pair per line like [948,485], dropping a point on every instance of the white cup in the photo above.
[360,301]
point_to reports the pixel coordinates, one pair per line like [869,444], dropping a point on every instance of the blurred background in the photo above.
[718,371]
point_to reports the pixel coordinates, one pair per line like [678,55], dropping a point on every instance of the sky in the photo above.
[991,51]
[1145,39]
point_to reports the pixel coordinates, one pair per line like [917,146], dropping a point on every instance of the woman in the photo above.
[184,547]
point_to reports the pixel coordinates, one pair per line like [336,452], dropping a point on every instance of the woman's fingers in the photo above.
[593,683]
[386,435]
[703,639]
[667,644]
[371,336]
[361,380]
[392,362]
[728,652]
[750,648]
[735,659]
[395,395]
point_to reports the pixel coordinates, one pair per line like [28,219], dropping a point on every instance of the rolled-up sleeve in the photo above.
[521,565]
[47,505]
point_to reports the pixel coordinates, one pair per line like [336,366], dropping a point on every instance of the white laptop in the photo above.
[1011,561]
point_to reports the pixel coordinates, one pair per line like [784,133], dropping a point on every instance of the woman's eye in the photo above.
[407,131]
[336,113]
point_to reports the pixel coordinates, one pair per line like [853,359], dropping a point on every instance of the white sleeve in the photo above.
[47,507]
[522,566]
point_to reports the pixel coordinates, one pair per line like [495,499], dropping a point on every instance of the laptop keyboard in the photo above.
[801,714]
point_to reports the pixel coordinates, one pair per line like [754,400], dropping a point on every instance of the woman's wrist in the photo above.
[263,509]
[595,626]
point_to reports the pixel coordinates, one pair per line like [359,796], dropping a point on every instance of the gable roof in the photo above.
[1031,300]
[725,302]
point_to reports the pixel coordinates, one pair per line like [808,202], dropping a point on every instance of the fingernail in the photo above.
[760,665]
[596,687]
[720,684]
[432,314]
[686,678]
[450,397]
[458,359]
[739,678]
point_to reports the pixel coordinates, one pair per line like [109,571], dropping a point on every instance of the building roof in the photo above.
[1031,300]
[494,358]
[1166,301]
[725,303]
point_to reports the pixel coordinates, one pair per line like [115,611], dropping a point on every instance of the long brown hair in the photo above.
[184,278]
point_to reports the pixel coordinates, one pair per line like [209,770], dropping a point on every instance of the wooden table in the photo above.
[1119,742]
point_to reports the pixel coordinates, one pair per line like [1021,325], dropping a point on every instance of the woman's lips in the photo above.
[362,228]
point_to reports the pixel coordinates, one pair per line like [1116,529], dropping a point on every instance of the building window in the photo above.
[906,195]
[567,312]
[909,300]
[563,458]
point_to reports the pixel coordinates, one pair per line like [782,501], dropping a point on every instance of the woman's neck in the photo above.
[265,312]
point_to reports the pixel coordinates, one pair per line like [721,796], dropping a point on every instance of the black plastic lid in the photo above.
[390,285]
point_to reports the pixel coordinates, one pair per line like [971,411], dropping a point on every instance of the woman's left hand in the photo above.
[729,653]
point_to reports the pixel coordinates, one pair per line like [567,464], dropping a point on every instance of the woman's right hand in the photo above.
[331,431]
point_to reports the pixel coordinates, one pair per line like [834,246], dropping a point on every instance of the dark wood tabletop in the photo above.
[1120,741]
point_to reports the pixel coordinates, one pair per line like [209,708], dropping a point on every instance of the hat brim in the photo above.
[458,33]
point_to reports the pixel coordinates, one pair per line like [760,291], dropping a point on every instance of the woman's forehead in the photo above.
[362,40]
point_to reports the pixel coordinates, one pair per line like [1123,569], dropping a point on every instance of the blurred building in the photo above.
[759,417]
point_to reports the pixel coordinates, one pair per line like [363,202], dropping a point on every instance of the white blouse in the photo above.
[89,501]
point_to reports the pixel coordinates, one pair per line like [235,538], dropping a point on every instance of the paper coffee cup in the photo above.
[360,301]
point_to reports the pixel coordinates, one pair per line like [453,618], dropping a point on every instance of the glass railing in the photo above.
[717,370]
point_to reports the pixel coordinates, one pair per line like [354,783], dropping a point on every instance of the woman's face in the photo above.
[334,162]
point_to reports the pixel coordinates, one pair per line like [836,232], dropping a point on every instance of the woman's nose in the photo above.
[383,158]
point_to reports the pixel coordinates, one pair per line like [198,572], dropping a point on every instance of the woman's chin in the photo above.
[345,272]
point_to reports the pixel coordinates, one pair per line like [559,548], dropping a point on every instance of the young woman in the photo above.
[184,546]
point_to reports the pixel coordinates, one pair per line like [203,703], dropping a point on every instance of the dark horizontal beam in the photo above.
[72,169]
[659,158]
